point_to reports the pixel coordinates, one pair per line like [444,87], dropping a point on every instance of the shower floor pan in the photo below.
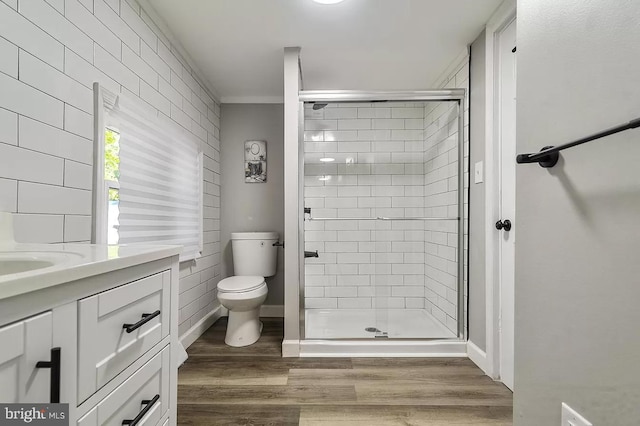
[410,333]
[391,324]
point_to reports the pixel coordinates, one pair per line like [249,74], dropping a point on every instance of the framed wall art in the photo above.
[255,161]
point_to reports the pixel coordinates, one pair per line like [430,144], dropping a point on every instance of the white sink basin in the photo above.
[16,262]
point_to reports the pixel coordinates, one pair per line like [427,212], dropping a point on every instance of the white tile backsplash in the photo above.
[77,175]
[77,228]
[51,53]
[8,195]
[40,198]
[110,18]
[85,73]
[78,122]
[8,127]
[38,228]
[11,3]
[47,79]
[132,60]
[41,137]
[23,164]
[23,99]
[28,36]
[8,58]
[55,24]
[155,98]
[152,58]
[111,66]
[93,27]
[132,18]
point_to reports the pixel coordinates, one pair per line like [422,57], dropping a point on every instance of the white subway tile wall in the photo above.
[441,195]
[377,170]
[51,52]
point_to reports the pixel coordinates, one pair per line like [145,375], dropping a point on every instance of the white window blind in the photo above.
[160,180]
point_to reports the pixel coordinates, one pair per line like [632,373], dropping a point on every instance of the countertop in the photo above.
[76,261]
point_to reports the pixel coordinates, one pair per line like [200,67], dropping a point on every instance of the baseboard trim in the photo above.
[200,327]
[274,311]
[477,355]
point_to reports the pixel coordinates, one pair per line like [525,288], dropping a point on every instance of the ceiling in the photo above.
[358,44]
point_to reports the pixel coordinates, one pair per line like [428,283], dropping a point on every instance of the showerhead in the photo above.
[317,106]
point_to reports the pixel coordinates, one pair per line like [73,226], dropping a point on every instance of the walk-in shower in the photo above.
[384,208]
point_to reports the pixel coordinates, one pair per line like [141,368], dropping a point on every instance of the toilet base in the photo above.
[243,328]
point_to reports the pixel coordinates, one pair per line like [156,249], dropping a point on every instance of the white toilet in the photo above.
[254,258]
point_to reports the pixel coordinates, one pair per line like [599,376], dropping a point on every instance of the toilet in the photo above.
[254,258]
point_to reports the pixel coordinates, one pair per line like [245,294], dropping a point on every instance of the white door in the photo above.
[507,225]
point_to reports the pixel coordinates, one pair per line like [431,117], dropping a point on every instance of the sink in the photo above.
[15,262]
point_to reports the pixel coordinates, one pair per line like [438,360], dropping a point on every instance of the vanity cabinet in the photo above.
[24,344]
[113,340]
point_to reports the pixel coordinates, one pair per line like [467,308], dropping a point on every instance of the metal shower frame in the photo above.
[438,95]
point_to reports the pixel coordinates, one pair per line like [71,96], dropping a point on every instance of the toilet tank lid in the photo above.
[254,235]
[240,283]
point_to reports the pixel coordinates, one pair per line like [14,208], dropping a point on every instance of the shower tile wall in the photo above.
[378,171]
[441,199]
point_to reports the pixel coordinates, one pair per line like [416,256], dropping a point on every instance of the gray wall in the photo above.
[252,206]
[577,286]
[477,222]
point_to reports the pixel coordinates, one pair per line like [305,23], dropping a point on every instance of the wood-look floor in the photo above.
[254,385]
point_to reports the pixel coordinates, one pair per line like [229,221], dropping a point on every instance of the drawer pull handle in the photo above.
[145,319]
[54,365]
[148,403]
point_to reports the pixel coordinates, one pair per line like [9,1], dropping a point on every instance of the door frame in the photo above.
[505,14]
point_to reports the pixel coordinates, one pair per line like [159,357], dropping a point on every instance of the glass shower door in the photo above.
[381,193]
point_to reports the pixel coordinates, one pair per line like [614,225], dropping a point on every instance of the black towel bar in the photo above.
[548,156]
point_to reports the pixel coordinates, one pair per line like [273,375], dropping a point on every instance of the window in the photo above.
[149,178]
[111,181]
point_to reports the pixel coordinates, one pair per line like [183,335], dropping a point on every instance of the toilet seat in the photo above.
[240,284]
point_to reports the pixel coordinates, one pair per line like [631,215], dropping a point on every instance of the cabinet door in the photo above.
[22,345]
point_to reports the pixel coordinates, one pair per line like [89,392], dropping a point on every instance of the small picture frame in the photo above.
[255,161]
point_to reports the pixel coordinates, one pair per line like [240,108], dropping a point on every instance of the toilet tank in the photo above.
[254,253]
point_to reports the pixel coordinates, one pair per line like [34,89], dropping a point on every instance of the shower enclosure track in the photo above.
[383,218]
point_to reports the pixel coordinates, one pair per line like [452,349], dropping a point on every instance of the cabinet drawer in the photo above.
[106,347]
[126,401]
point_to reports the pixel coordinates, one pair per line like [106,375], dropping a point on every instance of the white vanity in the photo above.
[92,326]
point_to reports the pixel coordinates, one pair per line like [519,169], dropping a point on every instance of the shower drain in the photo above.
[372,330]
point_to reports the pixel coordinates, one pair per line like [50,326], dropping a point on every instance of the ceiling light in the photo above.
[327,160]
[327,1]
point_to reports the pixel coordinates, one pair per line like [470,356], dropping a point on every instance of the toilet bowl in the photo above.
[242,296]
[254,258]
